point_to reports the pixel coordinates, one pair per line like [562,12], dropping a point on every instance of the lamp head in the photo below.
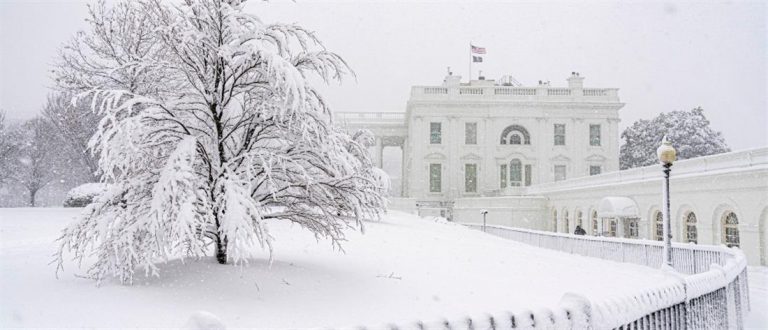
[667,154]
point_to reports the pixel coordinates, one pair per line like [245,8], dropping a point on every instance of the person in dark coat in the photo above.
[579,231]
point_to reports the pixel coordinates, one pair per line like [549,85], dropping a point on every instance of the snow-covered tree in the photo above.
[688,131]
[237,138]
[74,124]
[8,149]
[34,164]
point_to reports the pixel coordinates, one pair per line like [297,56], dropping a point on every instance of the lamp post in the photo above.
[484,213]
[667,155]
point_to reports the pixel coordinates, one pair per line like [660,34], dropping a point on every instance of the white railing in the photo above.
[710,291]
[541,93]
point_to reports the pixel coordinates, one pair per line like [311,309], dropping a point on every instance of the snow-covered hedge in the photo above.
[84,194]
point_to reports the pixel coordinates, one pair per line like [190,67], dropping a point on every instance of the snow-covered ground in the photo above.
[403,269]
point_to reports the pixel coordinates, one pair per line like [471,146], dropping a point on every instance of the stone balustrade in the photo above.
[541,93]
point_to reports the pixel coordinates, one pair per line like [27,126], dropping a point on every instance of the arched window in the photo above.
[594,223]
[515,173]
[515,134]
[565,222]
[658,225]
[554,219]
[690,228]
[730,229]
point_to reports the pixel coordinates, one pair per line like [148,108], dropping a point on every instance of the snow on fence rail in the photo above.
[709,292]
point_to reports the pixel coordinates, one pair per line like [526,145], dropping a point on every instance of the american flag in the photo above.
[477,50]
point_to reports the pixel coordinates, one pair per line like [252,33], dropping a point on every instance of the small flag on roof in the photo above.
[477,50]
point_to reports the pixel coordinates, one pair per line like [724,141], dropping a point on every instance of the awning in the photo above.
[615,207]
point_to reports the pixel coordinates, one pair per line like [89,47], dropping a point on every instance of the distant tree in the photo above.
[229,136]
[688,131]
[74,124]
[35,164]
[8,149]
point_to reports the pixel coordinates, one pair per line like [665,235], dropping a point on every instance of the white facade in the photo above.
[550,182]
[524,136]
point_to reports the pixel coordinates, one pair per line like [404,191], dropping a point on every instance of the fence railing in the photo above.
[708,289]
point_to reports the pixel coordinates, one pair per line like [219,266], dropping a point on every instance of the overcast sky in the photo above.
[662,56]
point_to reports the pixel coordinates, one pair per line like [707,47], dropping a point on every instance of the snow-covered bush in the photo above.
[84,194]
[232,136]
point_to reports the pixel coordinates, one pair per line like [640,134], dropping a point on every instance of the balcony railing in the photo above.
[541,93]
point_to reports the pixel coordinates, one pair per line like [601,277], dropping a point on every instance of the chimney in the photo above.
[575,81]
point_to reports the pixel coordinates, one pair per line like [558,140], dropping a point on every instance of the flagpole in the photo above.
[469,76]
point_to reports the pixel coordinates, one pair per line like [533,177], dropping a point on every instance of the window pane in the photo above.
[470,133]
[515,173]
[527,175]
[559,172]
[435,177]
[514,138]
[731,230]
[595,169]
[503,176]
[594,135]
[690,228]
[559,134]
[435,133]
[470,177]
[659,222]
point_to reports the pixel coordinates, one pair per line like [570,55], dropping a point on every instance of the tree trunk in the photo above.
[221,251]
[32,194]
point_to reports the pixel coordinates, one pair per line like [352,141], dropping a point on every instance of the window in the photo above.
[594,135]
[470,133]
[595,169]
[435,177]
[527,175]
[559,134]
[658,220]
[515,173]
[594,223]
[632,228]
[503,176]
[731,230]
[612,230]
[559,172]
[470,178]
[515,134]
[578,218]
[554,220]
[565,222]
[435,133]
[690,228]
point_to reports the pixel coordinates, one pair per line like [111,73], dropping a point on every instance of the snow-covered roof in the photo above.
[614,207]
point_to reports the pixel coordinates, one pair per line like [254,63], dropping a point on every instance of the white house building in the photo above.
[547,158]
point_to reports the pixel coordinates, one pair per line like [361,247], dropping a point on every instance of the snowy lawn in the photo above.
[403,269]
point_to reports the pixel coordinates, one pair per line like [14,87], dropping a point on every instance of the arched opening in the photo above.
[690,235]
[515,134]
[730,225]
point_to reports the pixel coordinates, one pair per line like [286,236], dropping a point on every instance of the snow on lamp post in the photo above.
[484,213]
[667,155]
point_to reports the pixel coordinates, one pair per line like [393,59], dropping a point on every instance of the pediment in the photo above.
[596,158]
[435,155]
[560,158]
